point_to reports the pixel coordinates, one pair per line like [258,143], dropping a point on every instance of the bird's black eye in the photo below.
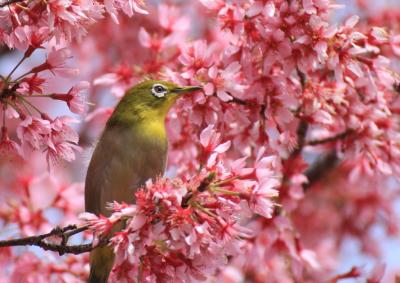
[159,90]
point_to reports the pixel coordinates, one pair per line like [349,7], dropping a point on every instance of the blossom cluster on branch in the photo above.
[32,25]
[183,230]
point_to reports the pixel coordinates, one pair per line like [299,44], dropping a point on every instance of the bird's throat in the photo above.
[152,129]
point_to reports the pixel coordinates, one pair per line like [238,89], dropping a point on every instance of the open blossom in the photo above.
[75,97]
[196,56]
[101,224]
[128,7]
[8,147]
[31,85]
[210,141]
[261,198]
[55,63]
[55,137]
[32,131]
[224,82]
[62,141]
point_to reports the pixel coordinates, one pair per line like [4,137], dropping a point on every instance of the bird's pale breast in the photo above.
[124,159]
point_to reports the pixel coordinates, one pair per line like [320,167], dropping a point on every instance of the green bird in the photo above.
[131,150]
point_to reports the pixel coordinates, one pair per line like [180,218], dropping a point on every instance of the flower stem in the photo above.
[23,75]
[22,98]
[37,95]
[19,111]
[223,191]
[15,68]
[205,210]
[222,182]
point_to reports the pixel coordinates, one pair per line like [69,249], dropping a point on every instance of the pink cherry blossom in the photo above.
[55,63]
[8,147]
[62,141]
[223,82]
[32,132]
[75,97]
[210,140]
[260,201]
[31,85]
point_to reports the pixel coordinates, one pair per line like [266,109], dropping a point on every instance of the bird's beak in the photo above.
[186,89]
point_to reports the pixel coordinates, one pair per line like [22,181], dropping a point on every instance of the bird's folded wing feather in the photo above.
[122,162]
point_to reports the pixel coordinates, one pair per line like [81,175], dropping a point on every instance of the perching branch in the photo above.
[62,248]
[65,233]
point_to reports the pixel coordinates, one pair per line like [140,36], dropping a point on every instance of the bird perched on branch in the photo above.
[131,150]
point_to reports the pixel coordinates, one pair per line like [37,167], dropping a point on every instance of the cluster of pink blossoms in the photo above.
[32,25]
[183,230]
[31,198]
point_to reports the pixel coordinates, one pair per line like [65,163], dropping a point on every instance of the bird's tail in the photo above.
[101,263]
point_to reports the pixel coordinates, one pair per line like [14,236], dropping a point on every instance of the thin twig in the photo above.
[16,67]
[330,139]
[302,77]
[320,168]
[303,125]
[62,248]
[301,137]
[239,101]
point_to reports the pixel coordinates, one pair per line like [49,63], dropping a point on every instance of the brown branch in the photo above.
[63,233]
[320,168]
[330,139]
[303,125]
[240,101]
[301,137]
[302,77]
[4,50]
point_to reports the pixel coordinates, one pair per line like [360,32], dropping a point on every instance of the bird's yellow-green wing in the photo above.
[123,160]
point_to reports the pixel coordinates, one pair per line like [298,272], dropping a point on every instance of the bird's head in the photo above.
[151,99]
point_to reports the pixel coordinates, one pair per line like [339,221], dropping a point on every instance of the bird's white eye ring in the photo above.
[158,90]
